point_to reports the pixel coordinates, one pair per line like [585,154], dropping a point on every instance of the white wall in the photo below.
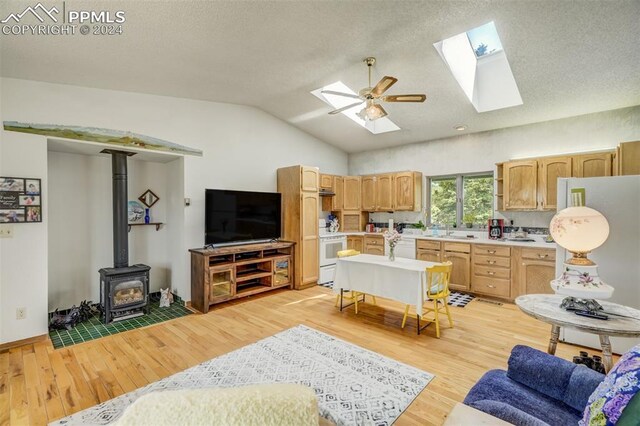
[80,218]
[242,145]
[24,257]
[479,152]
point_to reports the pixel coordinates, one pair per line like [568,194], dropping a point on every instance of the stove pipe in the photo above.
[120,208]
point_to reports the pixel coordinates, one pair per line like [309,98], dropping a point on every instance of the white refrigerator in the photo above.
[618,259]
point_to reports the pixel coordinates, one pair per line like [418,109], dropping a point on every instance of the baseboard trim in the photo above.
[22,342]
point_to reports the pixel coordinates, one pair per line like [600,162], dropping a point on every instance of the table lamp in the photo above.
[580,230]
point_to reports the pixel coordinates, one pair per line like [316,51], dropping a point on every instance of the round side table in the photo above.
[623,321]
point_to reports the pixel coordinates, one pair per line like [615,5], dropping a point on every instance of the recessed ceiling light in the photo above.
[460,127]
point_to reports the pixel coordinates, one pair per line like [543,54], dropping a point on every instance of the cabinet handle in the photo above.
[542,256]
[491,251]
[491,262]
[491,273]
[491,286]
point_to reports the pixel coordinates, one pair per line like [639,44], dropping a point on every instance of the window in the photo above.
[484,40]
[455,200]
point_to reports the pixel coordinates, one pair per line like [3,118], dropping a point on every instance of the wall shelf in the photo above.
[156,224]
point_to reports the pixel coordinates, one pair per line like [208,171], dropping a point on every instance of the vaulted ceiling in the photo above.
[568,58]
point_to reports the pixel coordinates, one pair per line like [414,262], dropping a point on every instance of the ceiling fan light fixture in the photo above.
[372,112]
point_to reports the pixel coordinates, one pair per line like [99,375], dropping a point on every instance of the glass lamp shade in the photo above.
[579,229]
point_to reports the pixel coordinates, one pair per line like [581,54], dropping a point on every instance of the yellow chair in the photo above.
[438,277]
[351,295]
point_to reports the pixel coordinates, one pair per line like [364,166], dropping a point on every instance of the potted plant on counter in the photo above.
[468,220]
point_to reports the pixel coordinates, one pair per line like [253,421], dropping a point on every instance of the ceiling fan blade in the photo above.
[404,98]
[346,95]
[339,110]
[383,85]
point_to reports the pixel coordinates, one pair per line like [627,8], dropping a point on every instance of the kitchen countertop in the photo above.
[539,243]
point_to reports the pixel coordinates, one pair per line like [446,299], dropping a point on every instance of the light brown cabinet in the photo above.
[355,242]
[384,192]
[352,221]
[407,191]
[369,193]
[374,244]
[592,165]
[300,205]
[626,159]
[520,185]
[334,203]
[550,169]
[459,255]
[428,250]
[326,181]
[351,193]
[536,268]
[491,270]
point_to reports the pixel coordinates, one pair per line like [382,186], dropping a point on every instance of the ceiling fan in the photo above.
[372,96]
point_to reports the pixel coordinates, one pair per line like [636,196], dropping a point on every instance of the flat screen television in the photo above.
[241,216]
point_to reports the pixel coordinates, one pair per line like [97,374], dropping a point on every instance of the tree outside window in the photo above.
[455,200]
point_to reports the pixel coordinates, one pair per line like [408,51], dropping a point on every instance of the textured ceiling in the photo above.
[568,58]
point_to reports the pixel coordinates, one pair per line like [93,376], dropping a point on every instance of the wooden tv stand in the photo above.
[226,273]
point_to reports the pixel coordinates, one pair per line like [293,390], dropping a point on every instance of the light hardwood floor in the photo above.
[39,384]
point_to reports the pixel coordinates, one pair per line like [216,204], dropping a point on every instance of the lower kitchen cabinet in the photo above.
[460,256]
[491,270]
[536,268]
[355,242]
[429,251]
[374,244]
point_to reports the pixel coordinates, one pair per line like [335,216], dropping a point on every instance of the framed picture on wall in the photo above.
[20,200]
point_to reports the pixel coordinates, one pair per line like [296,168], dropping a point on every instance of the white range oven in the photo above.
[330,245]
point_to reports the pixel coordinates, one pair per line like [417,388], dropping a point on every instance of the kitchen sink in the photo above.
[456,237]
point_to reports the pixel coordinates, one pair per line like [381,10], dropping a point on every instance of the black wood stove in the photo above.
[124,289]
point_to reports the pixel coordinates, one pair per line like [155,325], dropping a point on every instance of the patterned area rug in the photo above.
[354,386]
[455,299]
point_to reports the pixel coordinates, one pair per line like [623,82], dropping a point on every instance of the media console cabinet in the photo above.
[226,273]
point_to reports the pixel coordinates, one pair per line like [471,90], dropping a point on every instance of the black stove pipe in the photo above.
[120,208]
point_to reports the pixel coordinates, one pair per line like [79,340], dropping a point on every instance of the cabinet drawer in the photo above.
[488,271]
[491,286]
[428,255]
[428,244]
[538,254]
[503,262]
[491,250]
[373,241]
[374,250]
[457,247]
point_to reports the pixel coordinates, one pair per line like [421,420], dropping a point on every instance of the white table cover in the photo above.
[402,280]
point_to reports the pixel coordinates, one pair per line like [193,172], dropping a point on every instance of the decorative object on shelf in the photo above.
[580,230]
[392,237]
[136,212]
[334,225]
[147,217]
[20,200]
[149,198]
[166,297]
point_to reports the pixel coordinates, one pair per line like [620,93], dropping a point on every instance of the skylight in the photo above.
[381,125]
[480,66]
[484,40]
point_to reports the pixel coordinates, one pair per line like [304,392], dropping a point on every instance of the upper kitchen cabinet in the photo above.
[326,182]
[549,170]
[384,192]
[352,193]
[407,191]
[333,203]
[520,185]
[377,193]
[369,189]
[310,179]
[592,165]
[627,159]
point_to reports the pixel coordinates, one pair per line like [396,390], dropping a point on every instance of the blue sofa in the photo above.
[538,389]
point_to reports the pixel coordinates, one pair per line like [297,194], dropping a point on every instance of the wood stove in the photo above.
[124,289]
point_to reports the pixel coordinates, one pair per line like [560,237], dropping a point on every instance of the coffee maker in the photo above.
[496,228]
